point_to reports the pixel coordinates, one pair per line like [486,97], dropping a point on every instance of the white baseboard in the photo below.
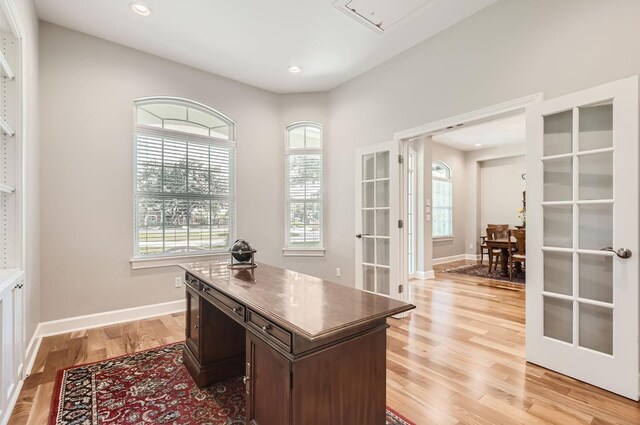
[71,324]
[429,274]
[11,403]
[32,352]
[441,260]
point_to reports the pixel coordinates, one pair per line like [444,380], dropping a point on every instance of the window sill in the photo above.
[303,252]
[138,263]
[442,238]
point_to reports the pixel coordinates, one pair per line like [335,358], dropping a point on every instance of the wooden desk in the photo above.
[311,351]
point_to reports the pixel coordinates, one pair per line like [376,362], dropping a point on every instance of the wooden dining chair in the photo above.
[517,249]
[493,233]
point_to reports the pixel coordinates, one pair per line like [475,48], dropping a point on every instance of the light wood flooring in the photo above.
[458,359]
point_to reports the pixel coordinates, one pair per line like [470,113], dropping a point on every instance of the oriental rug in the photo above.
[150,387]
[482,271]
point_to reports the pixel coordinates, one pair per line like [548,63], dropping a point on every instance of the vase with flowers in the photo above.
[522,211]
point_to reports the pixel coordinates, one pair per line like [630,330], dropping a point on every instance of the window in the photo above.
[185,184]
[303,189]
[442,200]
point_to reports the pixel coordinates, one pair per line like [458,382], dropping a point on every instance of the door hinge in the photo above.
[400,224]
[400,159]
[400,289]
[290,379]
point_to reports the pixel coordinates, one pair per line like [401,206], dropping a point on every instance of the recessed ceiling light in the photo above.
[478,144]
[140,9]
[295,69]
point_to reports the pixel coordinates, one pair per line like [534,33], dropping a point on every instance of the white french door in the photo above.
[377,214]
[582,239]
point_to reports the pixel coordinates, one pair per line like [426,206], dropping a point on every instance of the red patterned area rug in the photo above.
[150,387]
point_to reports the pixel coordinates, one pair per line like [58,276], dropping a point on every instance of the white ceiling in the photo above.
[255,41]
[510,130]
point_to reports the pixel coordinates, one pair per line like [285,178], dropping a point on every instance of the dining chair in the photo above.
[517,249]
[483,247]
[495,232]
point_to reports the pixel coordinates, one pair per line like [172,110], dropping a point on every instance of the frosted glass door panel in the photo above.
[382,251]
[382,223]
[558,180]
[382,165]
[368,167]
[558,319]
[596,226]
[596,127]
[558,226]
[557,133]
[368,223]
[369,255]
[596,328]
[596,277]
[558,272]
[382,193]
[368,194]
[595,180]
[369,277]
[382,280]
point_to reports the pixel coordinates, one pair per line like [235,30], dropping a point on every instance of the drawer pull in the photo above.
[245,380]
[237,310]
[195,326]
[266,327]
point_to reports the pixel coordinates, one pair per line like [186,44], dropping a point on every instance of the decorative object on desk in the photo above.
[162,392]
[478,270]
[522,211]
[243,254]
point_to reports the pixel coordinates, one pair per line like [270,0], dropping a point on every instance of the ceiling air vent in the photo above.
[380,15]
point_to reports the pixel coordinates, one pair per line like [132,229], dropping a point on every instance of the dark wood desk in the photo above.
[311,351]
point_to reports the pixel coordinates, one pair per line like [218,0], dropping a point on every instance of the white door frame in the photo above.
[404,136]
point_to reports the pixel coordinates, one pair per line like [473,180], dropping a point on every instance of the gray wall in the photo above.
[31,151]
[509,50]
[501,188]
[87,90]
[455,159]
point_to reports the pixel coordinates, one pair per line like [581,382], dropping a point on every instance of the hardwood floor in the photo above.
[458,359]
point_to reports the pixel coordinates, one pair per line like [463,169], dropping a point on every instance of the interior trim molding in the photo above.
[441,260]
[470,117]
[429,274]
[71,324]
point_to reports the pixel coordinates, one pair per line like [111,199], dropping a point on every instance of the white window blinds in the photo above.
[441,195]
[184,194]
[304,186]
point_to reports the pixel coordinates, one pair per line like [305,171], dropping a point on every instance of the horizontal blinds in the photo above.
[304,199]
[184,195]
[442,208]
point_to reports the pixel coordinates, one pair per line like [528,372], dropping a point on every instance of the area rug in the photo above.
[482,271]
[150,387]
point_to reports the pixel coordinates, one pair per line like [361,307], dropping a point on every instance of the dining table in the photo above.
[503,245]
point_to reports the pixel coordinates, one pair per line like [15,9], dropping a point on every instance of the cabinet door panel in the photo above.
[268,389]
[192,327]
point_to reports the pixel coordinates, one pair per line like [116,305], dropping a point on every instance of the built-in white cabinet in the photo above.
[12,335]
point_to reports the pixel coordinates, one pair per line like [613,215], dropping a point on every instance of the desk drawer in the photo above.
[234,308]
[272,331]
[192,282]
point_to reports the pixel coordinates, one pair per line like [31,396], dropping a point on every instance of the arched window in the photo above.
[442,197]
[303,189]
[185,180]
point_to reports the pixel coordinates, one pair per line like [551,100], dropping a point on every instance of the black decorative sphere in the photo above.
[242,251]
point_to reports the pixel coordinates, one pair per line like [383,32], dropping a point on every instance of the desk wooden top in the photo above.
[307,305]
